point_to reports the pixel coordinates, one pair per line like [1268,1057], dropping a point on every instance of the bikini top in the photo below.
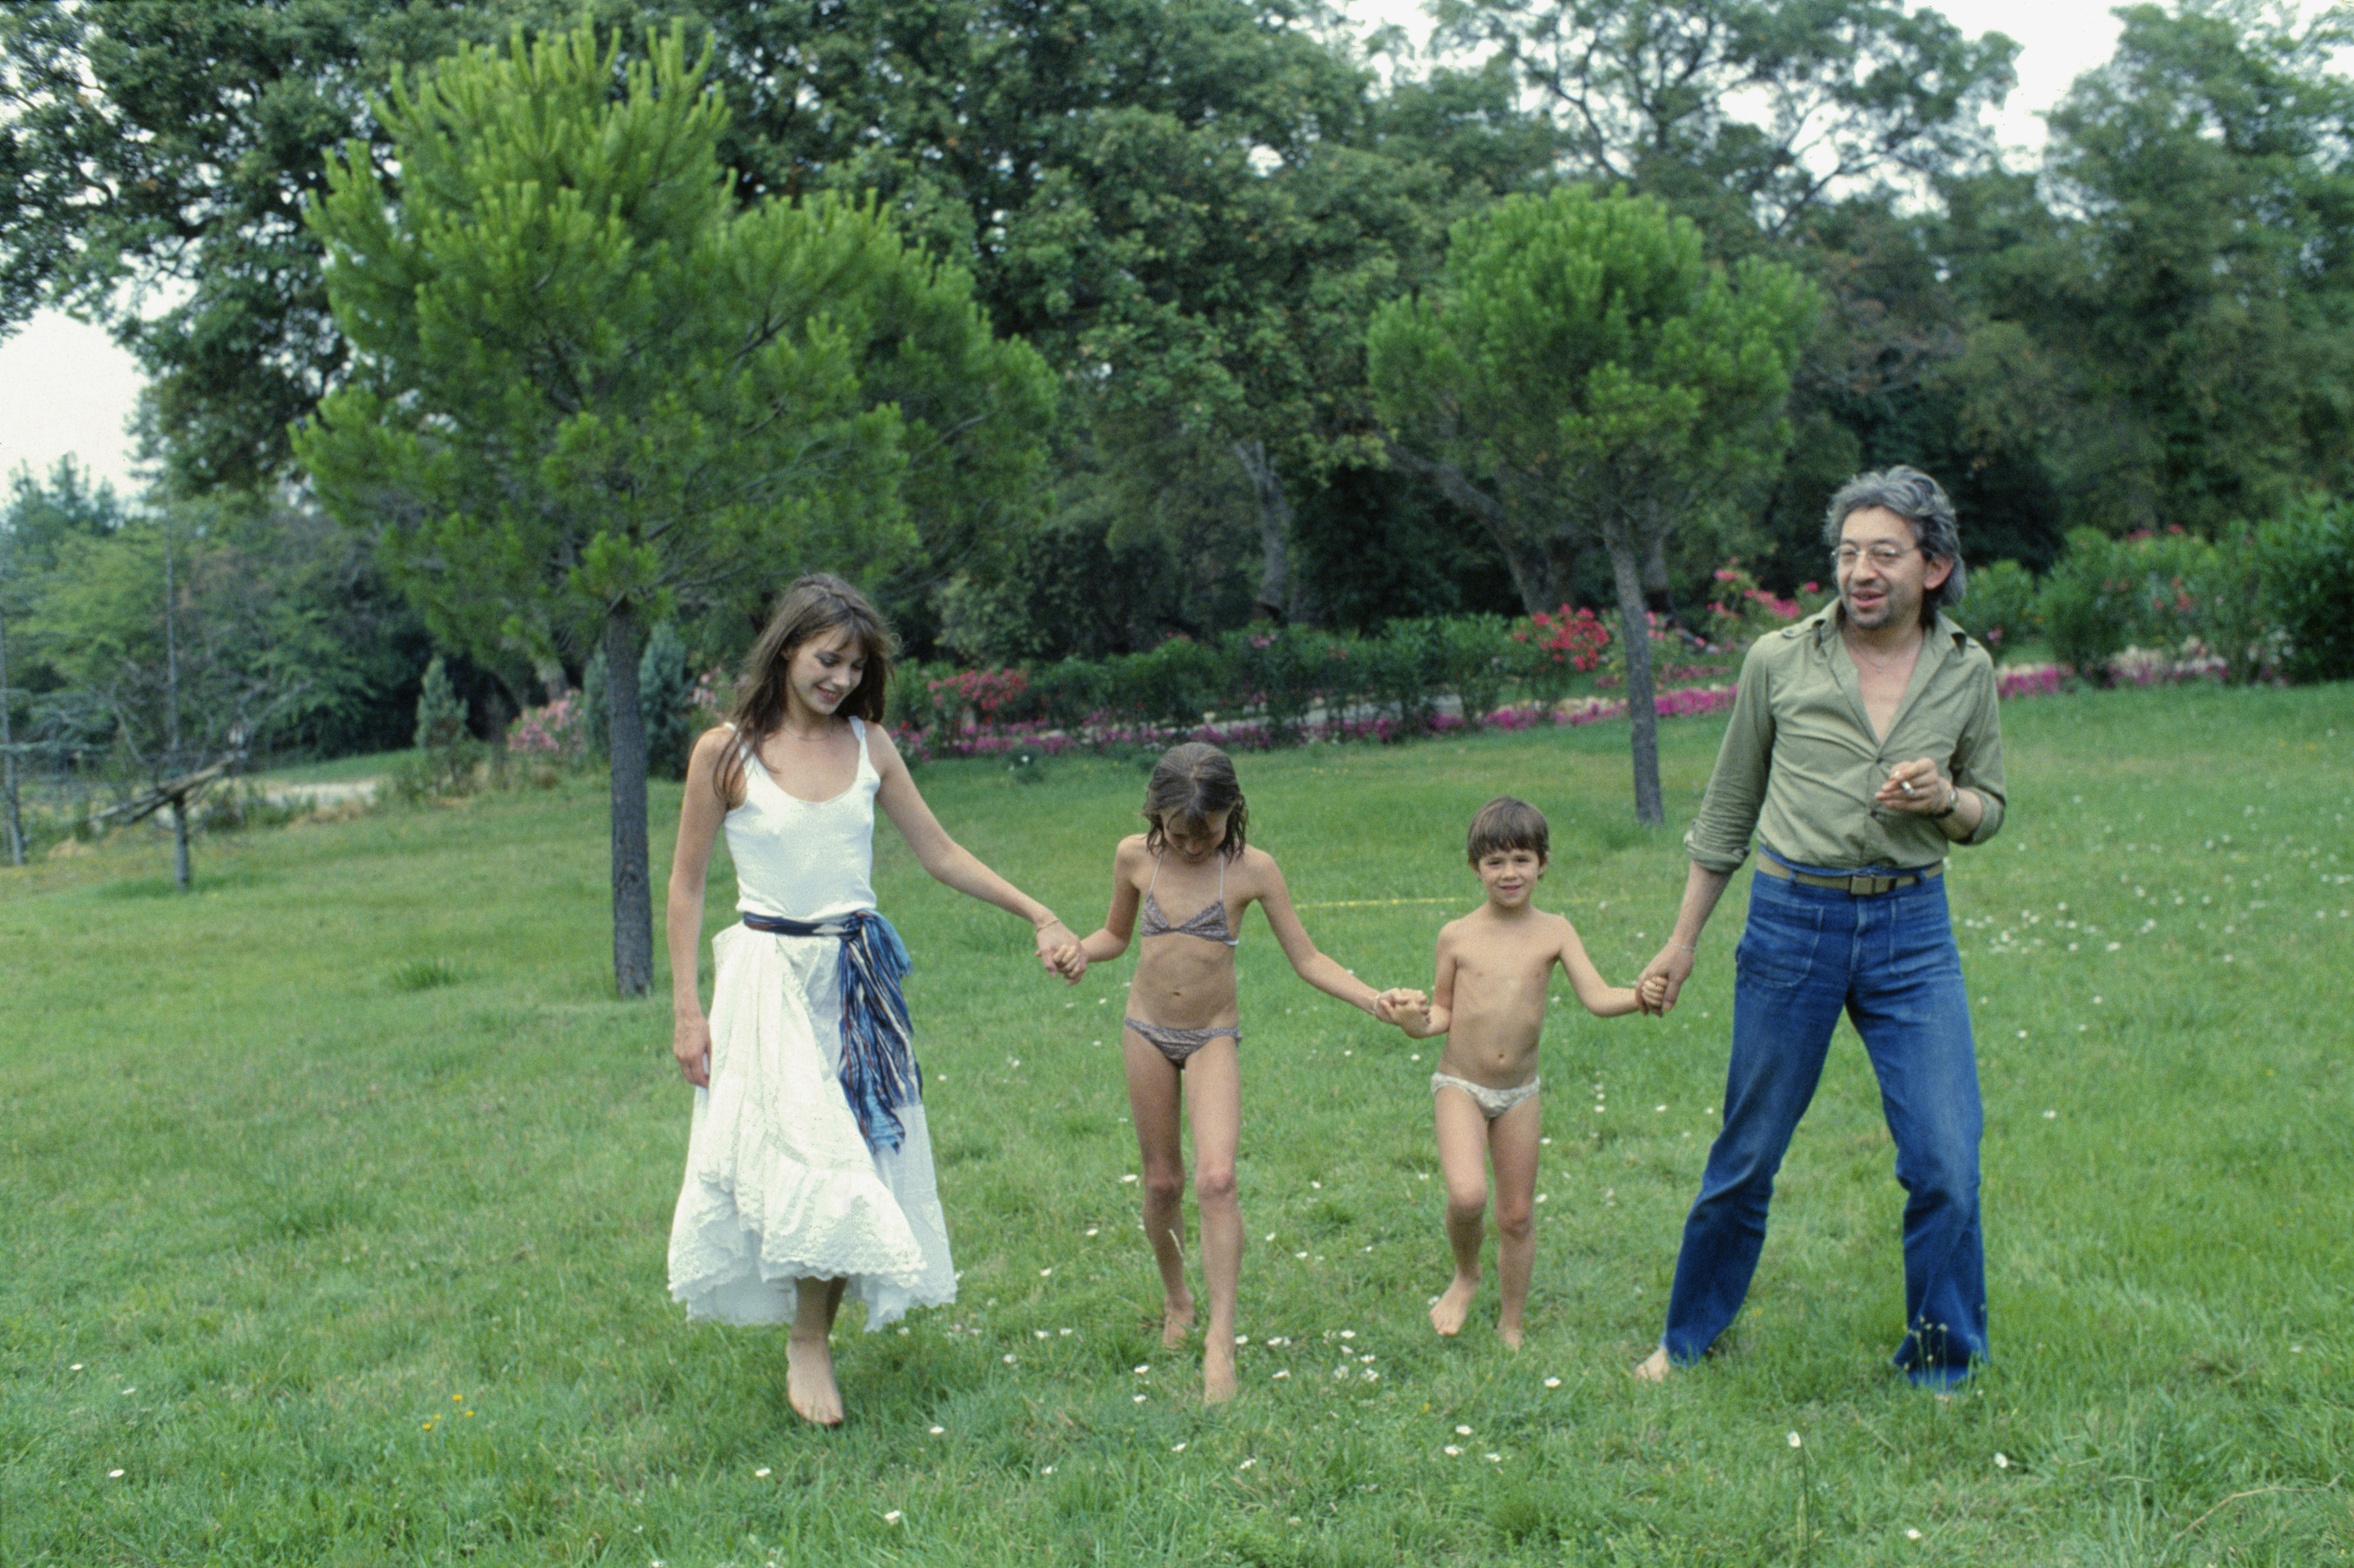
[1209,922]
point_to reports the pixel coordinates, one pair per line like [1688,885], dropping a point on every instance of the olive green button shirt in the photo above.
[1800,764]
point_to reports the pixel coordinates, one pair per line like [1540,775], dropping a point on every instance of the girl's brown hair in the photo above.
[816,606]
[1190,784]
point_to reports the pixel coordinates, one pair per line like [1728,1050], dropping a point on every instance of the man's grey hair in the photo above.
[1920,501]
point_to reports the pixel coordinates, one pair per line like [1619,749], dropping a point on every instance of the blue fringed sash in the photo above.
[879,1074]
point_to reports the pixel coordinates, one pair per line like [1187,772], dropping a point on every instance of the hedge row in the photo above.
[2269,603]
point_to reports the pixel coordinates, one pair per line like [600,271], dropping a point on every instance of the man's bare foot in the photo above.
[1218,1381]
[1176,1323]
[1452,1310]
[1655,1367]
[1511,1334]
[809,1382]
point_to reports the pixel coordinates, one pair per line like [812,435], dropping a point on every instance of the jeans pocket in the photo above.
[1777,945]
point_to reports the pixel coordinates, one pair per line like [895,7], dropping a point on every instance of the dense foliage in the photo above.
[1190,215]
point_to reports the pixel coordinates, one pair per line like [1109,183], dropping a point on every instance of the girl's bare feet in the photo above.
[1176,1322]
[1511,1334]
[809,1380]
[1453,1308]
[1218,1381]
[1655,1367]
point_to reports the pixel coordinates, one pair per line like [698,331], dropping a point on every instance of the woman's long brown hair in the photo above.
[816,606]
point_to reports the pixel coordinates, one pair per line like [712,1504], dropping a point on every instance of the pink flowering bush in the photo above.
[972,698]
[1554,649]
[557,733]
[1739,613]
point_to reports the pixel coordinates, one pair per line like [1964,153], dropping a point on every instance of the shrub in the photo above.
[1550,651]
[557,733]
[1069,693]
[2305,563]
[1395,672]
[2086,604]
[447,754]
[914,702]
[969,699]
[666,701]
[2000,607]
[1477,651]
[2233,621]
[1739,613]
[1282,670]
[1173,685]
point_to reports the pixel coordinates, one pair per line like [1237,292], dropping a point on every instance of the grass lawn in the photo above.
[336,1198]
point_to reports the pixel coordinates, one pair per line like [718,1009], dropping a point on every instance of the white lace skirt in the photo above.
[780,1186]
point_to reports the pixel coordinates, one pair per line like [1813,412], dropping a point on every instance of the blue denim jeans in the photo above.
[1890,962]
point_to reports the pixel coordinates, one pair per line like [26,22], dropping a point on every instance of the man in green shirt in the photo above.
[1863,741]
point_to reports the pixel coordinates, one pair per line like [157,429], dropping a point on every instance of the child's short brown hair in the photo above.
[1504,823]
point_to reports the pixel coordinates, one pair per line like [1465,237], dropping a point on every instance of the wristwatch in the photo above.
[1953,799]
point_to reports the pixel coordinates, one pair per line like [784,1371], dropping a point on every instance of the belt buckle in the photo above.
[1869,886]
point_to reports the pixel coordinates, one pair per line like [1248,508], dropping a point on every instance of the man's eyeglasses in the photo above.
[1884,555]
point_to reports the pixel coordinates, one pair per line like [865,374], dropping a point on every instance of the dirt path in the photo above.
[319,795]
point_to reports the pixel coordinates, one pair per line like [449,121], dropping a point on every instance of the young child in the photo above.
[1189,876]
[1489,999]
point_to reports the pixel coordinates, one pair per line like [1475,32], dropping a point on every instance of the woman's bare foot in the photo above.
[809,1382]
[1452,1310]
[1176,1322]
[1655,1367]
[1511,1334]
[1218,1381]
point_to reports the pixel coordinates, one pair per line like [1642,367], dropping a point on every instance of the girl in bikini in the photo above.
[1182,1034]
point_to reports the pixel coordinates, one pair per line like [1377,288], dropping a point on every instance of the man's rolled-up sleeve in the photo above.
[1719,838]
[1977,756]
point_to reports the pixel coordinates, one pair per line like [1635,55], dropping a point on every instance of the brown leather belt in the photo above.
[1857,886]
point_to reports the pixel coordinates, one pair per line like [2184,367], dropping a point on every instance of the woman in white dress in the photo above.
[808,1164]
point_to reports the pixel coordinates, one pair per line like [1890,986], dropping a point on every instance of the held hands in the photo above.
[1404,1007]
[1663,978]
[1058,951]
[1915,788]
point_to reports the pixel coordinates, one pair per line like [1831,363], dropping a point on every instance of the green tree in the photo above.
[2199,300]
[1141,190]
[152,149]
[1586,377]
[588,386]
[1746,110]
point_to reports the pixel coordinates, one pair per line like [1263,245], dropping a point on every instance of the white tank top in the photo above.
[805,860]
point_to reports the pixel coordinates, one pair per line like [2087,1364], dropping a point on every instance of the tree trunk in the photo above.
[634,920]
[1543,574]
[1642,710]
[1657,596]
[8,752]
[1274,529]
[180,842]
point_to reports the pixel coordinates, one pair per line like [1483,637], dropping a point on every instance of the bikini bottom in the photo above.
[1179,1044]
[1492,1102]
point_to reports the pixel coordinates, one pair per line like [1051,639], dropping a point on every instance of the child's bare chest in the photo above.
[1505,969]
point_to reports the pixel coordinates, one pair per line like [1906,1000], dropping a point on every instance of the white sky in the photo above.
[66,389]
